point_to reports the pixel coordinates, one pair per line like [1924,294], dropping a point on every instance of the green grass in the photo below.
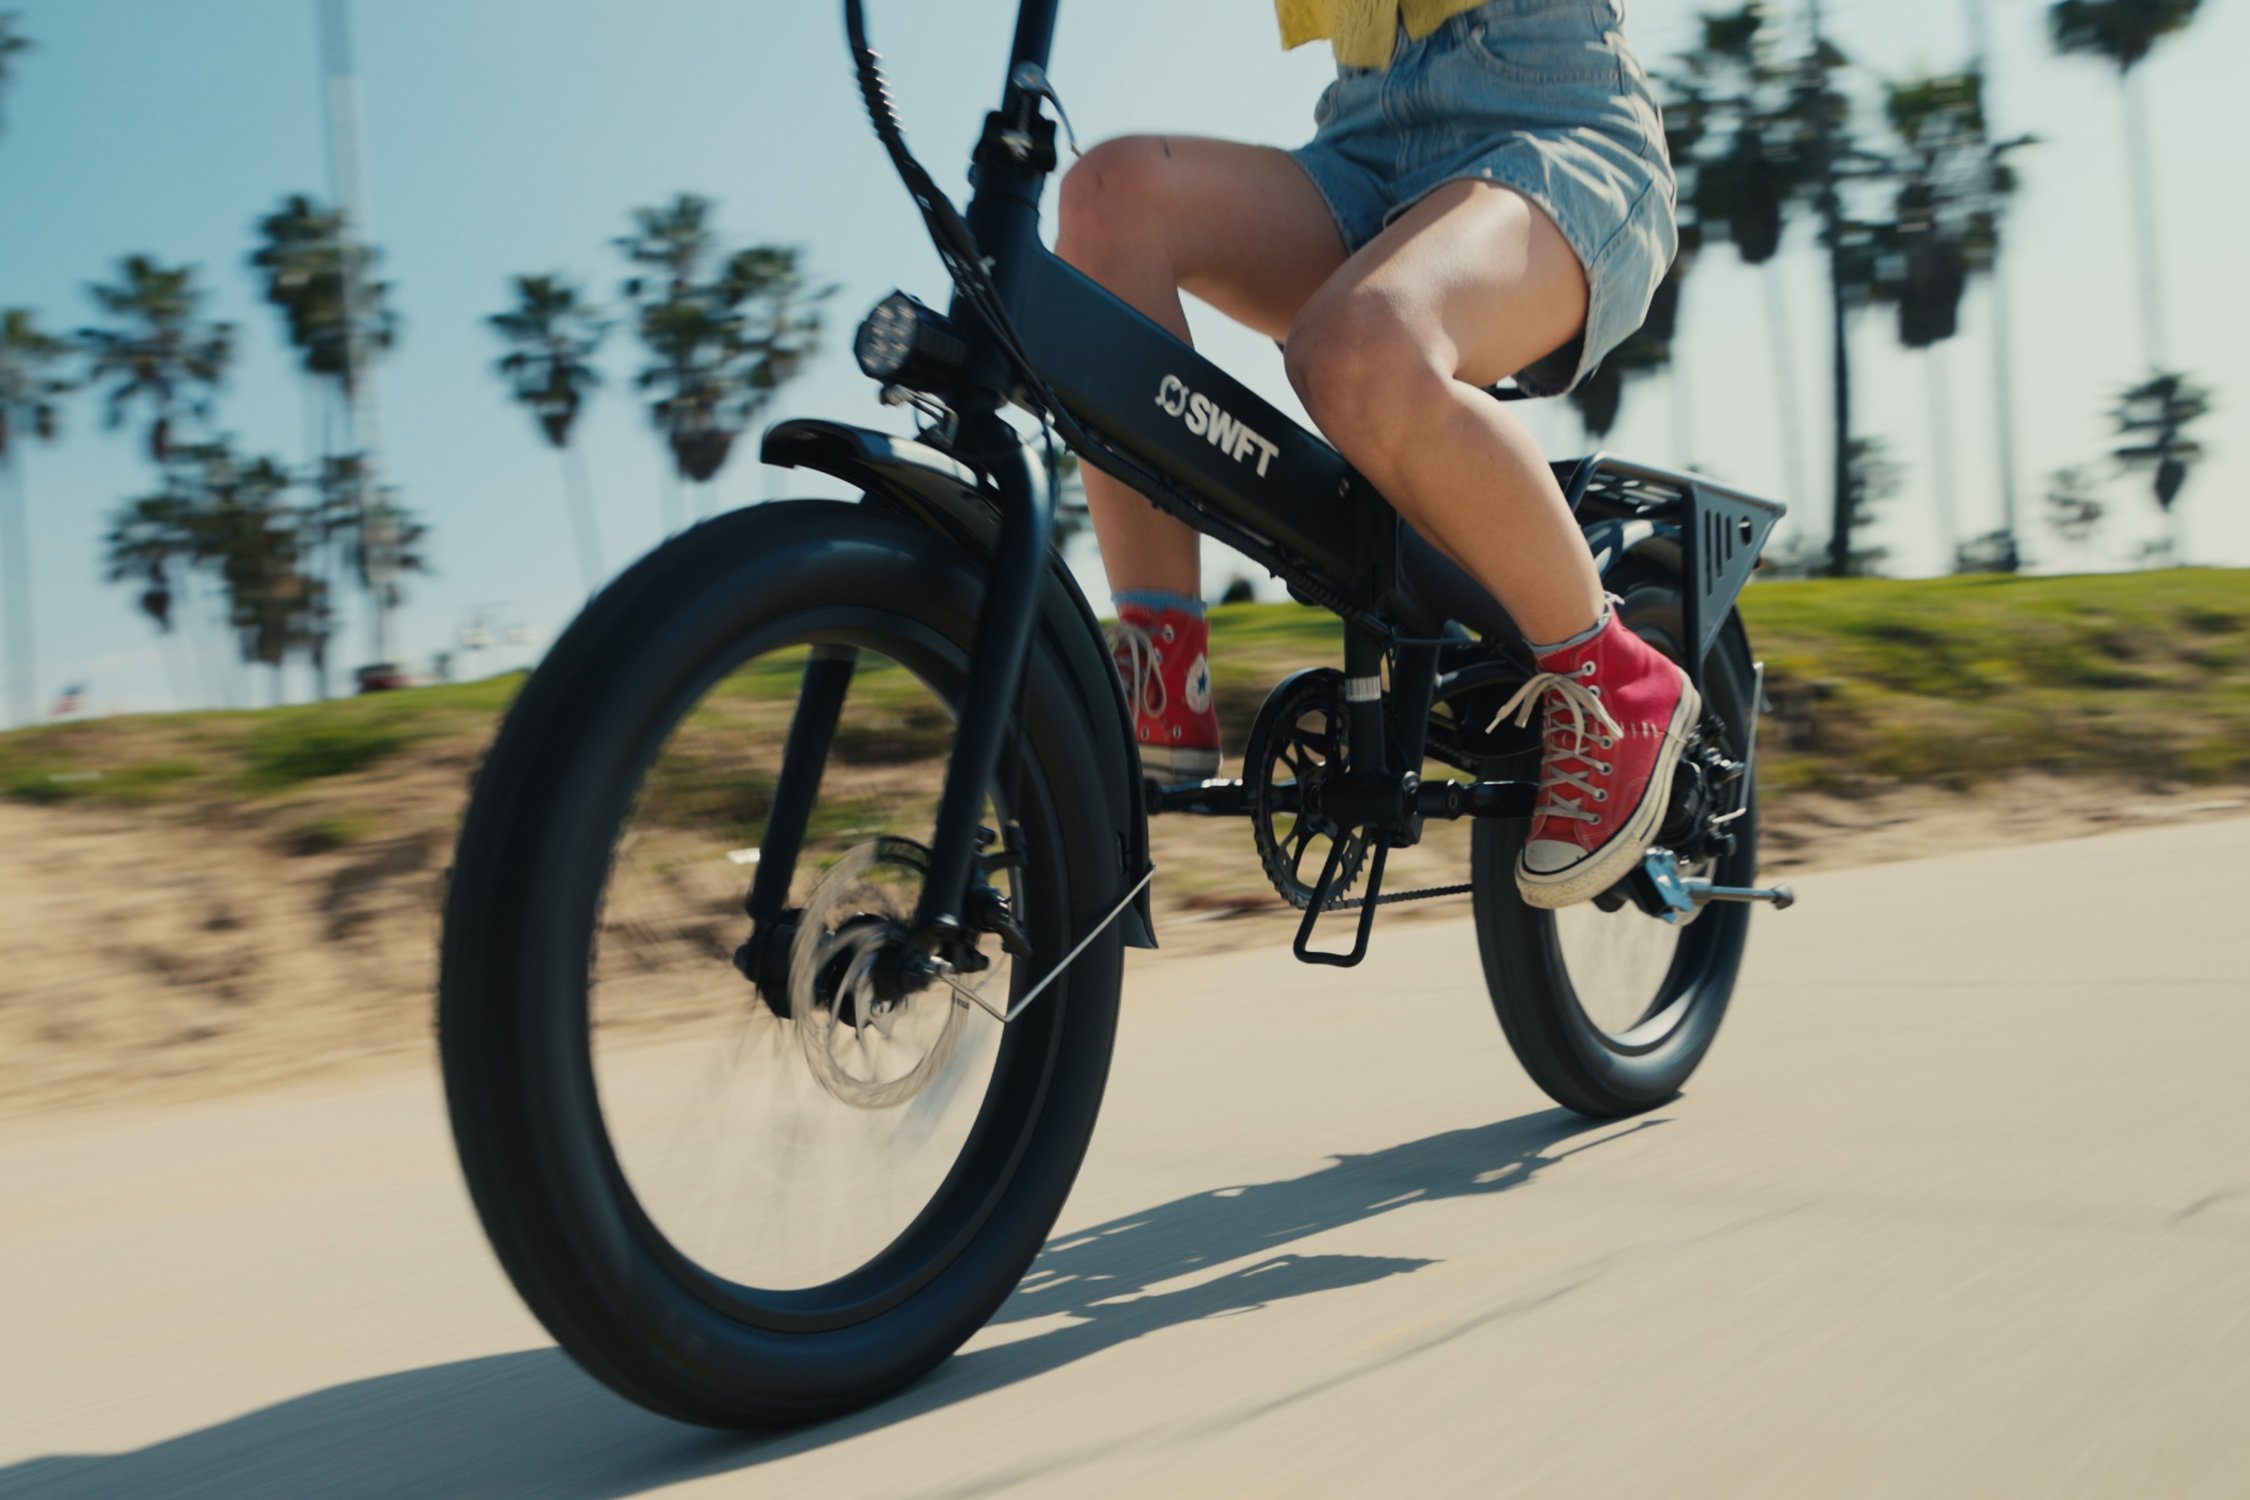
[135,784]
[296,747]
[1951,681]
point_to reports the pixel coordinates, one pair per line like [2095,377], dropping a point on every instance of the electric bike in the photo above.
[772,1049]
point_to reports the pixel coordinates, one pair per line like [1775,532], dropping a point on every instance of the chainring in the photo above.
[1297,745]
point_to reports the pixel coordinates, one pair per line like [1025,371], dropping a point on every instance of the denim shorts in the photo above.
[1541,96]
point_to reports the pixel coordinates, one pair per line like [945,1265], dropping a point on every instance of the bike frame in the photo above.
[1142,406]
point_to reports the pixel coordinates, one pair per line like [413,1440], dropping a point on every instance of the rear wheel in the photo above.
[1611,1011]
[746,1206]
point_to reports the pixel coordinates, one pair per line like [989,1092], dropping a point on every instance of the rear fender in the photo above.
[917,480]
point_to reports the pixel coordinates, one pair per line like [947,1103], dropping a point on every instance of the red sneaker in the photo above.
[1164,657]
[1618,713]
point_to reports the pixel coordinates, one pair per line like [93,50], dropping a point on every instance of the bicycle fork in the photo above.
[997,661]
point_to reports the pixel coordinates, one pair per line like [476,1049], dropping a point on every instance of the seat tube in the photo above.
[1363,703]
[1413,687]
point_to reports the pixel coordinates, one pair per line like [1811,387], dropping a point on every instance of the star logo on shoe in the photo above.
[1199,686]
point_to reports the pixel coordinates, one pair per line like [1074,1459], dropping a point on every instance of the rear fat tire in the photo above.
[1579,1065]
[513,1001]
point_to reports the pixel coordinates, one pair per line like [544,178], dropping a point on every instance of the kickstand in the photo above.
[1328,872]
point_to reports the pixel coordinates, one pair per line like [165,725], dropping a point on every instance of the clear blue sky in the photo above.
[513,135]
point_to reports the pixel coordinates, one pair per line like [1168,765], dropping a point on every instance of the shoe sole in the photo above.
[1615,860]
[1169,767]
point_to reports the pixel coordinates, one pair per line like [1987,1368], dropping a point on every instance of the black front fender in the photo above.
[914,479]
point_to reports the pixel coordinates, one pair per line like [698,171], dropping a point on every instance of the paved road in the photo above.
[1960,1205]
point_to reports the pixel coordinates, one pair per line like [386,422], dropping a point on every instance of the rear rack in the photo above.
[1721,530]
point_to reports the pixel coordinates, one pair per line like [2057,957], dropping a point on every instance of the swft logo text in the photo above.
[1207,420]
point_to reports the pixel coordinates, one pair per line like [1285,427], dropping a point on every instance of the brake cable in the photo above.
[956,242]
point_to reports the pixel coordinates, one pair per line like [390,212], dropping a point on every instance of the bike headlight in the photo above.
[904,343]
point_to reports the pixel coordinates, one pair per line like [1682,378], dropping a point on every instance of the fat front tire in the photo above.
[1636,1046]
[523,918]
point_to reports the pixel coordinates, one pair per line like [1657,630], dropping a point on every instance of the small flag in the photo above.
[71,700]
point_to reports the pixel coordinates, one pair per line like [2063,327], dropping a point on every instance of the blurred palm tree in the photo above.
[13,44]
[1764,135]
[1741,150]
[158,353]
[248,534]
[149,539]
[151,546]
[232,518]
[1953,183]
[552,336]
[317,277]
[309,267]
[1875,478]
[2153,418]
[2074,505]
[2124,33]
[32,383]
[725,331]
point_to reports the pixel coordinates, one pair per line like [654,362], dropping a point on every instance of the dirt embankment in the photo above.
[191,903]
[144,960]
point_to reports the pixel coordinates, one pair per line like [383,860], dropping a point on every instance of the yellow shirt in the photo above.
[1363,30]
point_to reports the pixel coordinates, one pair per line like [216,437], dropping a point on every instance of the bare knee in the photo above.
[1362,372]
[1115,203]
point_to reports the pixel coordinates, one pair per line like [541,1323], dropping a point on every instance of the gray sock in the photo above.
[1579,639]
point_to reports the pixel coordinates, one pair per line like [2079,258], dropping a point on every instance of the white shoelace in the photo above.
[1144,684]
[1566,741]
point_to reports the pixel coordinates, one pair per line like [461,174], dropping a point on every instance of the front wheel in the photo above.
[1610,1011]
[747,1205]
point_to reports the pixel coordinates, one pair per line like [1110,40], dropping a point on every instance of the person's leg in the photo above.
[1465,288]
[1472,284]
[1240,227]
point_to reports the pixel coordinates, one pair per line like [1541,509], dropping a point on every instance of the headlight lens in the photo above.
[886,339]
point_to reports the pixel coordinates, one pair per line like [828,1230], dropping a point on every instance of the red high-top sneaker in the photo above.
[1164,657]
[1617,716]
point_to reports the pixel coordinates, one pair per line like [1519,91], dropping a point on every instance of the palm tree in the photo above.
[552,336]
[2124,33]
[2002,340]
[337,317]
[378,562]
[726,332]
[2074,505]
[308,265]
[246,533]
[12,42]
[1874,478]
[148,540]
[230,517]
[150,545]
[1952,186]
[2152,419]
[158,354]
[1746,162]
[31,383]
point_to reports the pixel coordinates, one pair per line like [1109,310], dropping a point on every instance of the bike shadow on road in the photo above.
[532,1423]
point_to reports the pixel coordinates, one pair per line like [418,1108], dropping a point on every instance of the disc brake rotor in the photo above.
[865,1050]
